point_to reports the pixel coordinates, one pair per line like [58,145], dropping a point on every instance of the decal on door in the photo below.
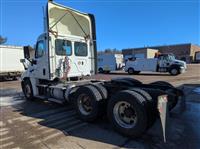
[63,68]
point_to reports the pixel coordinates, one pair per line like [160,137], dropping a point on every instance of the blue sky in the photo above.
[120,24]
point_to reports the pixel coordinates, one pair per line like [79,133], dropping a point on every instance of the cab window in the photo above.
[80,49]
[63,47]
[40,50]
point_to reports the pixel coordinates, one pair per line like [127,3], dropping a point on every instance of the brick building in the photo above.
[184,52]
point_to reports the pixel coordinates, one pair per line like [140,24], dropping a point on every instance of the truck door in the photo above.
[82,58]
[163,63]
[41,69]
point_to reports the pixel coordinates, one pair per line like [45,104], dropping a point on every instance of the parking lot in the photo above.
[44,124]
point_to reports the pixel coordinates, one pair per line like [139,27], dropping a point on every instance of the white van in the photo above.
[110,62]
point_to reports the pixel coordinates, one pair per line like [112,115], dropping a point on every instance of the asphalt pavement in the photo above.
[43,124]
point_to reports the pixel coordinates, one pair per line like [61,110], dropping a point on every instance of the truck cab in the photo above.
[168,63]
[68,47]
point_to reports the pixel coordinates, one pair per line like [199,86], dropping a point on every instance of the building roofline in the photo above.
[158,46]
[10,46]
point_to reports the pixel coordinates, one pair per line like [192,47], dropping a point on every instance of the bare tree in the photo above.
[2,40]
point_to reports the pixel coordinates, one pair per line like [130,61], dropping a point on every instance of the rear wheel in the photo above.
[86,103]
[127,113]
[170,90]
[130,71]
[149,105]
[162,83]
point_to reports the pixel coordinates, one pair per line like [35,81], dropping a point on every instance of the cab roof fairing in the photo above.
[65,20]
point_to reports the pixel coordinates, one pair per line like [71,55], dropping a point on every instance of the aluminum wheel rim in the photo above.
[84,104]
[121,117]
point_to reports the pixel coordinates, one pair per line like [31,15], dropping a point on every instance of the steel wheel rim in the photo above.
[124,114]
[174,71]
[85,104]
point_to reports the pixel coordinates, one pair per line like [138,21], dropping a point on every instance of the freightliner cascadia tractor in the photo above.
[66,57]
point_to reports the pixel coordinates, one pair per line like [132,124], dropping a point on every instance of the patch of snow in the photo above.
[10,100]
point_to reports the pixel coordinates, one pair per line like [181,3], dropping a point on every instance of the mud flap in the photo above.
[162,108]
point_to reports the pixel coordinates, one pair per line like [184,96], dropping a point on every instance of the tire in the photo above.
[128,79]
[150,105]
[174,71]
[130,71]
[163,83]
[101,70]
[87,103]
[102,90]
[170,91]
[136,111]
[27,89]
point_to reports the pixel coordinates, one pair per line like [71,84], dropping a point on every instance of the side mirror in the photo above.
[23,61]
[27,52]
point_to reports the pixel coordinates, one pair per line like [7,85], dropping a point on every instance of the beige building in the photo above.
[140,53]
[184,52]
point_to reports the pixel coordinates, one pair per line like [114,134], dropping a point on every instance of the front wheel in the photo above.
[27,89]
[130,71]
[174,71]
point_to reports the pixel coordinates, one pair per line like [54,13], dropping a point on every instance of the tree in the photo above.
[2,40]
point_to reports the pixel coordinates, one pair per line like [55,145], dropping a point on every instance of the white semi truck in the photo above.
[68,50]
[10,66]
[163,63]
[109,62]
